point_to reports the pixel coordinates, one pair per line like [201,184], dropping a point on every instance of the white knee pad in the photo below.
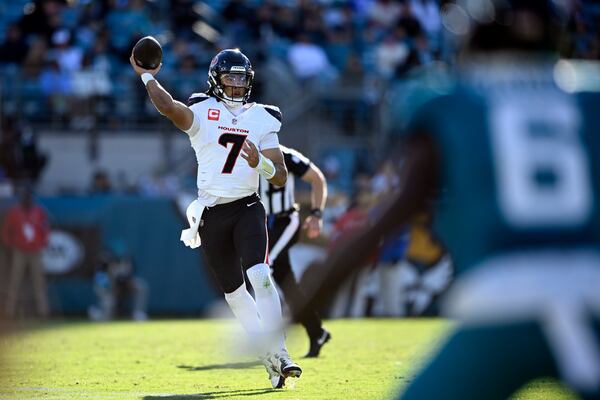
[260,279]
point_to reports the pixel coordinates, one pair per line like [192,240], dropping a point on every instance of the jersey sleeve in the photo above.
[195,128]
[196,104]
[269,141]
[295,162]
[274,118]
[197,98]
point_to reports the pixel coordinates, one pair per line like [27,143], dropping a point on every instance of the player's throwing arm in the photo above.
[179,114]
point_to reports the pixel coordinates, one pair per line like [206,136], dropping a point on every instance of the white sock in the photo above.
[244,308]
[268,304]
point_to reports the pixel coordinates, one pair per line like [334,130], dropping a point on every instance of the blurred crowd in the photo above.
[71,56]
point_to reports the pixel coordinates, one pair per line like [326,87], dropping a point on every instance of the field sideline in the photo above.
[193,359]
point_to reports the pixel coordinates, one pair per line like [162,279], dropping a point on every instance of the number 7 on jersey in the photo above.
[237,141]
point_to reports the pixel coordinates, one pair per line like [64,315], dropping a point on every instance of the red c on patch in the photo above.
[213,114]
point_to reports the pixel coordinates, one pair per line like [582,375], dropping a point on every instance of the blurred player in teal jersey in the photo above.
[515,150]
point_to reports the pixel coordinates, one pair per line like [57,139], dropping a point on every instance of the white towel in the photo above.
[190,237]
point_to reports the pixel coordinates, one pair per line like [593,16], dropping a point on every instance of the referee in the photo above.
[284,228]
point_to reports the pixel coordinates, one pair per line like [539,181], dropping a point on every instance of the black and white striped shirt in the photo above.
[280,199]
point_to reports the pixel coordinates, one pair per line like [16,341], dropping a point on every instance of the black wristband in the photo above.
[316,212]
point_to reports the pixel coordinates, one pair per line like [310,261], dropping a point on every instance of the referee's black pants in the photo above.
[283,233]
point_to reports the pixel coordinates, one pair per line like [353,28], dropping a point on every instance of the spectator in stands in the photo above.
[6,191]
[262,30]
[353,74]
[239,12]
[115,283]
[389,264]
[309,61]
[42,18]
[340,16]
[56,85]
[181,17]
[384,13]
[19,155]
[428,14]
[68,56]
[102,59]
[100,183]
[187,79]
[312,25]
[127,20]
[391,53]
[32,160]
[421,45]
[15,48]
[285,22]
[10,155]
[53,81]
[412,61]
[89,84]
[408,21]
[25,233]
[369,38]
[176,50]
[36,57]
[339,47]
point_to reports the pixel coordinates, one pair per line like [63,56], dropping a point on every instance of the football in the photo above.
[147,53]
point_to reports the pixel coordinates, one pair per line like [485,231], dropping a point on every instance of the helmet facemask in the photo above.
[233,87]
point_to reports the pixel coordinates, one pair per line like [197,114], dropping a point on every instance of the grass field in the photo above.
[367,359]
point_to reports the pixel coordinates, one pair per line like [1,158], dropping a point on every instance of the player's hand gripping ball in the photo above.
[147,53]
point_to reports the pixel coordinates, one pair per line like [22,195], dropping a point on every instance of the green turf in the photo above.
[367,359]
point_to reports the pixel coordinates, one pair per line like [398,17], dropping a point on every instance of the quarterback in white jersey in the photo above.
[228,219]
[222,133]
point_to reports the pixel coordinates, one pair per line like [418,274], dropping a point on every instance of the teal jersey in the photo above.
[520,162]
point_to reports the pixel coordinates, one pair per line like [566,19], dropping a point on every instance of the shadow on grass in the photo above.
[238,365]
[224,394]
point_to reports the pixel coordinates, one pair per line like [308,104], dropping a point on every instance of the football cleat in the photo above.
[277,380]
[316,343]
[286,367]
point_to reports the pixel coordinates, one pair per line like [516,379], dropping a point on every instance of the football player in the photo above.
[228,219]
[516,149]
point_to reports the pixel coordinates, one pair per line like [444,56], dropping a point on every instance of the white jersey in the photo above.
[217,137]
